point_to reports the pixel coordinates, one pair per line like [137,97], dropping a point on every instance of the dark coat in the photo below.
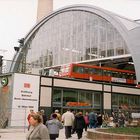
[79,122]
[99,120]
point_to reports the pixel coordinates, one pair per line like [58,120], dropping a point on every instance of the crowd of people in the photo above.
[116,119]
[41,127]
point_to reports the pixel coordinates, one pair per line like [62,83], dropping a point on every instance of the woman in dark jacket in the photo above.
[79,124]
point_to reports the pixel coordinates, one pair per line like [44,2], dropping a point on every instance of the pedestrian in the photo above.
[44,116]
[92,120]
[54,126]
[99,120]
[38,131]
[68,119]
[86,118]
[73,129]
[39,113]
[29,116]
[121,119]
[58,114]
[79,124]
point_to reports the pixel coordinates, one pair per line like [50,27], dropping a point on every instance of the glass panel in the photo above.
[73,36]
[86,70]
[69,96]
[97,99]
[85,97]
[114,99]
[120,99]
[57,95]
[78,69]
[126,102]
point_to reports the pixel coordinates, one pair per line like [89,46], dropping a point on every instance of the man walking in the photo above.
[68,119]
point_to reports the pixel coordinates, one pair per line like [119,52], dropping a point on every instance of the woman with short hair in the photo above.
[38,130]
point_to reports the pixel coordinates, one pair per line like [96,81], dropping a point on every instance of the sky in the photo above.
[17,17]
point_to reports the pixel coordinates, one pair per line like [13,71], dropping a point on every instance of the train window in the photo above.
[77,69]
[106,73]
[131,76]
[109,73]
[119,75]
[114,74]
[99,72]
[81,69]
[128,76]
[86,70]
[91,71]
[94,71]
[123,75]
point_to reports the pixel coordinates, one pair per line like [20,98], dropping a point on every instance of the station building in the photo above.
[81,34]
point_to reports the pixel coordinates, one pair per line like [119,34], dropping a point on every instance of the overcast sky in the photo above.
[19,16]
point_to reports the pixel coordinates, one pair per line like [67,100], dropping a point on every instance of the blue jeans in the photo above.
[92,124]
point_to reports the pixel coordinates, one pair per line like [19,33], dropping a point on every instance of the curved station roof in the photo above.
[78,33]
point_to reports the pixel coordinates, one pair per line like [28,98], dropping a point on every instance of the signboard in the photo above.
[78,104]
[136,115]
[118,80]
[25,97]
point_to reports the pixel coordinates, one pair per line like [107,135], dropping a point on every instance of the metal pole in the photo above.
[25,122]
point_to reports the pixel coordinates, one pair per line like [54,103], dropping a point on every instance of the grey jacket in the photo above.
[53,126]
[39,132]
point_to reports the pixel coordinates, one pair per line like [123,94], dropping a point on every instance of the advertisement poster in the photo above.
[25,98]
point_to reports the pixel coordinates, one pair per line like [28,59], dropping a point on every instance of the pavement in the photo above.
[20,134]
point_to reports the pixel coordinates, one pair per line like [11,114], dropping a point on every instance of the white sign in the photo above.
[135,115]
[25,97]
[118,80]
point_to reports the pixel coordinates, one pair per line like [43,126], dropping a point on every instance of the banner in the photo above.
[25,98]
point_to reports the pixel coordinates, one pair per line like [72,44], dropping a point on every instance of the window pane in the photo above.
[69,96]
[97,98]
[57,95]
[85,97]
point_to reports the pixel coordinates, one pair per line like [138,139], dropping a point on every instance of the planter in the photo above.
[98,135]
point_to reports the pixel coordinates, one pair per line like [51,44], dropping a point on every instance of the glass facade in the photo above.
[77,99]
[130,103]
[73,36]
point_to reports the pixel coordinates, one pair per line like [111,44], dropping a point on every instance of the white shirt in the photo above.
[68,118]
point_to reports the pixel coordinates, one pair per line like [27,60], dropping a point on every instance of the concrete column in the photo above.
[44,8]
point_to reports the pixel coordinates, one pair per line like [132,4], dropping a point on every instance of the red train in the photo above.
[97,73]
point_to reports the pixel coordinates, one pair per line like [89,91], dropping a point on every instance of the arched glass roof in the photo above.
[74,34]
